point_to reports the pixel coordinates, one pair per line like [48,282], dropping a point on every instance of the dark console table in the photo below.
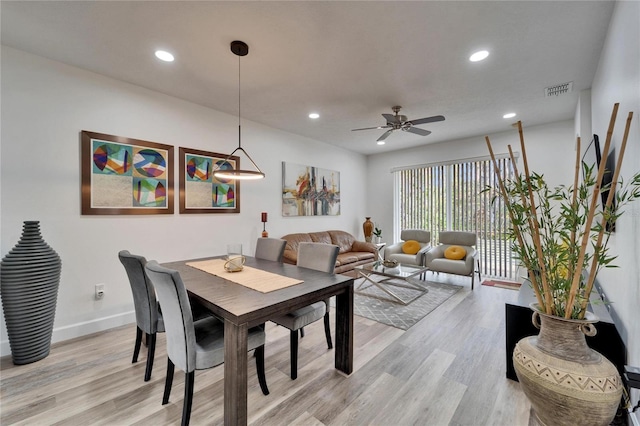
[518,325]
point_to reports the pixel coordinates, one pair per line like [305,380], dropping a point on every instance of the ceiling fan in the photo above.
[400,122]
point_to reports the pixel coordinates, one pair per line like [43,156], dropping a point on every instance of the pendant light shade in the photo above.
[239,48]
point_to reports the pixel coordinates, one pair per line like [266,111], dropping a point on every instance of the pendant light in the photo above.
[239,48]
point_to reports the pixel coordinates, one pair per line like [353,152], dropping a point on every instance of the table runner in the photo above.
[253,278]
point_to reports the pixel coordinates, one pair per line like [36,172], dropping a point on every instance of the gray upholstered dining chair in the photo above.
[270,249]
[436,260]
[194,345]
[149,318]
[321,257]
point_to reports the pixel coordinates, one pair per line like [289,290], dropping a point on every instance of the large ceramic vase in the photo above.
[367,227]
[30,277]
[566,382]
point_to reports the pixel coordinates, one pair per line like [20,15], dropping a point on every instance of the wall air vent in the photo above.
[558,89]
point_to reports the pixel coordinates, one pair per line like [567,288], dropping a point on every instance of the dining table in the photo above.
[242,307]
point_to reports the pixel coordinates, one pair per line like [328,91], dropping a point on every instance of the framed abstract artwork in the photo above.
[123,176]
[309,191]
[200,191]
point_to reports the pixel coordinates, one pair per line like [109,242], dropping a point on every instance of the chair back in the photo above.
[418,235]
[178,319]
[318,256]
[270,249]
[459,238]
[144,295]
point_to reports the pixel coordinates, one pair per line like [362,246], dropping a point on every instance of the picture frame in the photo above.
[200,191]
[125,176]
[309,191]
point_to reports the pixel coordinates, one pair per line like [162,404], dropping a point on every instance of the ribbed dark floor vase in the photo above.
[30,277]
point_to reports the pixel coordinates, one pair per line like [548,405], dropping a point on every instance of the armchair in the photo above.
[394,251]
[436,261]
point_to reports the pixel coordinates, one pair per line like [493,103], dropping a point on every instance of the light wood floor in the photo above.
[449,369]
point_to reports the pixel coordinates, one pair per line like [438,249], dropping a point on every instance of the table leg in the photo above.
[344,330]
[395,297]
[235,373]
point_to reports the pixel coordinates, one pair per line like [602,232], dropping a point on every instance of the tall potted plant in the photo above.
[560,235]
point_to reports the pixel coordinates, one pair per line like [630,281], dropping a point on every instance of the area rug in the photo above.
[511,285]
[395,314]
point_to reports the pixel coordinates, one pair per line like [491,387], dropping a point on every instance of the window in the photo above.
[449,196]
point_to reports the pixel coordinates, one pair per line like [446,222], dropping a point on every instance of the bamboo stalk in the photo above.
[577,274]
[535,234]
[534,279]
[603,223]
[509,209]
[572,241]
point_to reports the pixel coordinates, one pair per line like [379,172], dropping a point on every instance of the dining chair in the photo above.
[194,345]
[270,249]
[321,257]
[149,318]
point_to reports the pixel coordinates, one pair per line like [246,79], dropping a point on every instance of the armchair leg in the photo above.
[168,381]
[293,337]
[189,379]
[151,338]
[136,348]
[327,330]
[259,354]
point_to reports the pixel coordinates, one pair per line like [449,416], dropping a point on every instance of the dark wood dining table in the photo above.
[243,308]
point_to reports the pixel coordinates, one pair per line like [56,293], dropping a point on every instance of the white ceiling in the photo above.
[348,61]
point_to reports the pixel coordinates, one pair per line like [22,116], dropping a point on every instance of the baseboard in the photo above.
[81,329]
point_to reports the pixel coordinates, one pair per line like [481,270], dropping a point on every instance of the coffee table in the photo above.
[401,272]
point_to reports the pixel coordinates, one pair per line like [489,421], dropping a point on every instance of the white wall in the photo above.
[46,104]
[618,80]
[550,151]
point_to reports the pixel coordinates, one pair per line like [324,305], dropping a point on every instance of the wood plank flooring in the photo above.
[446,370]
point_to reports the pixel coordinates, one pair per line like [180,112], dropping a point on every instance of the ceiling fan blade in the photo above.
[418,131]
[392,119]
[385,135]
[426,120]
[371,128]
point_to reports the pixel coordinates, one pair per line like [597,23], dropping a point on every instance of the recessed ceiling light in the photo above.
[164,56]
[314,115]
[380,142]
[509,115]
[479,55]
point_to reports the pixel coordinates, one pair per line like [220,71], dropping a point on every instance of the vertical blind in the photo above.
[461,196]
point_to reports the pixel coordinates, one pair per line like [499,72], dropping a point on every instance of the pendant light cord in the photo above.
[239,82]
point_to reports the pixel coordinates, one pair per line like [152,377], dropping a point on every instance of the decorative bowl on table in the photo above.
[389,263]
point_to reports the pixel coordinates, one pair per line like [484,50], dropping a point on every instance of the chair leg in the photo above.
[293,336]
[189,379]
[302,332]
[136,348]
[259,354]
[151,350]
[168,381]
[327,330]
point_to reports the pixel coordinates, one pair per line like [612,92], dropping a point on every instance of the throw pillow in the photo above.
[411,247]
[455,253]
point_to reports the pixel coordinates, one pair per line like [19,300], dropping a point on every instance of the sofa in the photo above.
[352,252]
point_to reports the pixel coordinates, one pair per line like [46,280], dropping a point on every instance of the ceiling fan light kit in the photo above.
[400,122]
[239,48]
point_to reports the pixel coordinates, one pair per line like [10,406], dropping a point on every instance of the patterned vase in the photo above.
[29,281]
[566,382]
[367,227]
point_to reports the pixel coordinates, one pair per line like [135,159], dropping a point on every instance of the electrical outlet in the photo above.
[99,291]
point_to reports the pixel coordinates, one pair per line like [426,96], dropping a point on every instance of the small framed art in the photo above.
[200,191]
